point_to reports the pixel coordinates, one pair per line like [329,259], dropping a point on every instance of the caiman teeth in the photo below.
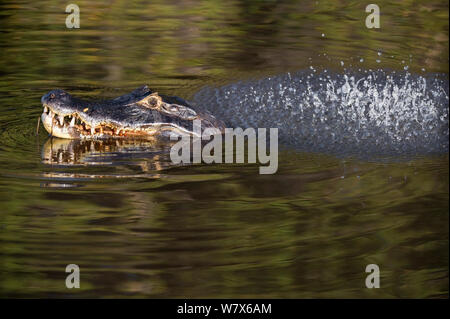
[61,120]
[64,122]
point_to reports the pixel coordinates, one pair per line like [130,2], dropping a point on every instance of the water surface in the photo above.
[138,226]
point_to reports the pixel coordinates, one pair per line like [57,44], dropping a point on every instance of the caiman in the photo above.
[141,113]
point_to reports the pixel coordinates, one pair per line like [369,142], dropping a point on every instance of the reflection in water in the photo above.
[147,156]
[58,151]
[307,231]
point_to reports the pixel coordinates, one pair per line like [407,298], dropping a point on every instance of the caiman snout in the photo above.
[140,113]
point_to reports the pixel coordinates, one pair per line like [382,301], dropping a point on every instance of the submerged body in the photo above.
[141,113]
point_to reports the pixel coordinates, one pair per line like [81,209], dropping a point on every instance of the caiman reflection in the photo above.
[144,157]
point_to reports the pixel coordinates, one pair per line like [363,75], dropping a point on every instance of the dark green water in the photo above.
[139,227]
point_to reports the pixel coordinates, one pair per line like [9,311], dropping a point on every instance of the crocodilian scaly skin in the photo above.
[140,113]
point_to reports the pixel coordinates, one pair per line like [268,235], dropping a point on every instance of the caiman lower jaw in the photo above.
[73,127]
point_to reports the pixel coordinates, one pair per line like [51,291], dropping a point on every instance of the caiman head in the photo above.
[140,113]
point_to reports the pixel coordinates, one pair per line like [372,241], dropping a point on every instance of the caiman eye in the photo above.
[153,102]
[52,96]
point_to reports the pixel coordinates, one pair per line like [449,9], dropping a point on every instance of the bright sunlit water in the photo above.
[363,166]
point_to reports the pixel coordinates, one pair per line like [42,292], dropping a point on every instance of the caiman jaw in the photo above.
[60,126]
[72,126]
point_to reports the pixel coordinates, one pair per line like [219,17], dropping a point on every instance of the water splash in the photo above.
[361,113]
